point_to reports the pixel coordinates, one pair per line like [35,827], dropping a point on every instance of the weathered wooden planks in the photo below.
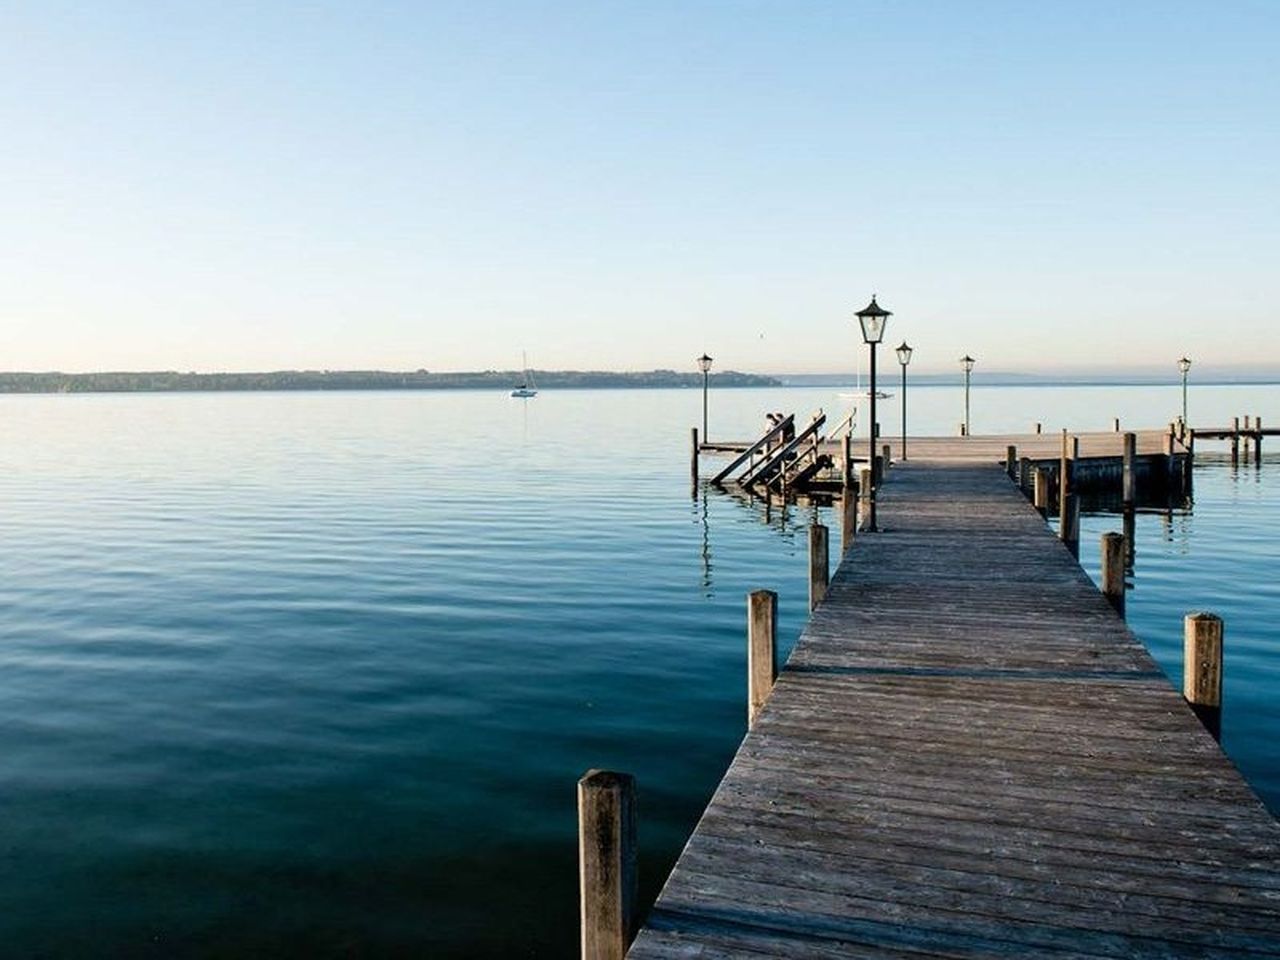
[969,754]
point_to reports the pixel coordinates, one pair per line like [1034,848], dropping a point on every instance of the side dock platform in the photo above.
[969,754]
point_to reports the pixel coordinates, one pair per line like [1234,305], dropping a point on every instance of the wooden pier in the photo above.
[969,754]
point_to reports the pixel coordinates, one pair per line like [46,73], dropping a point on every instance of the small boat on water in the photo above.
[527,388]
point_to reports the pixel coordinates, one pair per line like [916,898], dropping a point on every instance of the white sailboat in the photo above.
[527,388]
[860,393]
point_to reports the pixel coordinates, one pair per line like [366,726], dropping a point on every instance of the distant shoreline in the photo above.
[174,382]
[505,380]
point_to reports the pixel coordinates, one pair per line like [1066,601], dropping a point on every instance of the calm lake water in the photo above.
[310,675]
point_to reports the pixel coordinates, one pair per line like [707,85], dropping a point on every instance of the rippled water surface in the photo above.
[315,674]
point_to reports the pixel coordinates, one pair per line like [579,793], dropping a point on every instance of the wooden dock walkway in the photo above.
[969,754]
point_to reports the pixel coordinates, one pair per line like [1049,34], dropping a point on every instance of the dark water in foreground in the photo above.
[315,675]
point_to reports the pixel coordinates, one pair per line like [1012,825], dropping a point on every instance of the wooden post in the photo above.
[877,472]
[1202,668]
[1113,570]
[606,863]
[1129,484]
[1129,519]
[1117,424]
[1011,462]
[1244,440]
[1041,498]
[1038,426]
[1024,473]
[849,515]
[1070,531]
[1235,441]
[847,471]
[693,461]
[819,564]
[887,455]
[1257,442]
[864,495]
[1167,446]
[762,646]
[1064,486]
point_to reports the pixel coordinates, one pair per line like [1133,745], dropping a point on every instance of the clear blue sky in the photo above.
[626,184]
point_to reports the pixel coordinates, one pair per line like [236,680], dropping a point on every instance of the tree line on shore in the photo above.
[169,380]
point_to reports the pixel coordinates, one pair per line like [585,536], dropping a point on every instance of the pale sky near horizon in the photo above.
[623,185]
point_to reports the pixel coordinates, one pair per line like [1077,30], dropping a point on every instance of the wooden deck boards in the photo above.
[969,754]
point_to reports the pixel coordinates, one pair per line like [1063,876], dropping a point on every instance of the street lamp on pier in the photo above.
[967,362]
[1184,365]
[872,319]
[704,364]
[904,357]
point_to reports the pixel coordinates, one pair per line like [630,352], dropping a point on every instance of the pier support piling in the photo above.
[1041,490]
[1011,462]
[606,863]
[762,646]
[1070,451]
[1129,480]
[1202,669]
[693,461]
[848,515]
[1070,530]
[1113,556]
[1235,441]
[864,496]
[819,564]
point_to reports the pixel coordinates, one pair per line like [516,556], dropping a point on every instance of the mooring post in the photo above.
[847,450]
[849,515]
[1244,440]
[1129,520]
[1011,462]
[1041,490]
[606,863]
[693,461]
[1117,424]
[1024,473]
[864,495]
[819,563]
[1235,441]
[1064,486]
[1129,485]
[1202,668]
[1113,570]
[762,646]
[886,454]
[1038,426]
[1071,523]
[1257,442]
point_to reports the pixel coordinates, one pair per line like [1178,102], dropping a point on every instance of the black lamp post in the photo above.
[904,357]
[872,319]
[967,362]
[1184,365]
[704,364]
